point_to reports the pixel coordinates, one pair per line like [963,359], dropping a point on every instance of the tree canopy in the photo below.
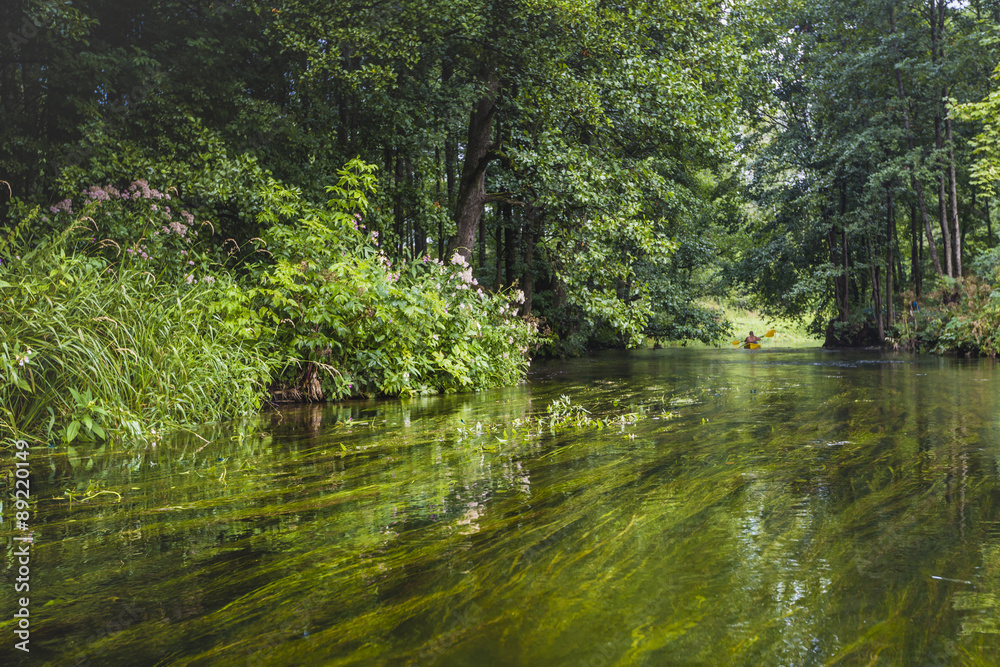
[614,161]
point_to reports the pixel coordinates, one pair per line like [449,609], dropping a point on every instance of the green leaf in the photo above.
[72,430]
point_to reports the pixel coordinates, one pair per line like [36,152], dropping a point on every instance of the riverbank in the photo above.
[135,318]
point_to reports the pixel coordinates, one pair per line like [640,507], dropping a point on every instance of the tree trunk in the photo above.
[437,165]
[890,235]
[530,235]
[873,268]
[419,233]
[397,206]
[838,288]
[506,213]
[918,187]
[510,252]
[450,169]
[478,152]
[831,239]
[954,197]
[482,239]
[845,290]
[846,276]
[943,201]
[943,218]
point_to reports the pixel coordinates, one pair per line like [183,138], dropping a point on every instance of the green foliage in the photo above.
[562,412]
[689,322]
[854,158]
[350,322]
[957,316]
[987,265]
[986,144]
[100,342]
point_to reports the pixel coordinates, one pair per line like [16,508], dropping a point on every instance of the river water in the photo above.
[794,507]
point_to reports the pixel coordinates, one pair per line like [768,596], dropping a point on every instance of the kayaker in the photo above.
[751,339]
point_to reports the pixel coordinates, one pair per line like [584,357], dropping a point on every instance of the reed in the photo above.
[94,350]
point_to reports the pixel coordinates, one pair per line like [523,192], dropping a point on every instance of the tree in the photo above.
[857,131]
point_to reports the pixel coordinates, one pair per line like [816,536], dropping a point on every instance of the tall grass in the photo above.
[92,349]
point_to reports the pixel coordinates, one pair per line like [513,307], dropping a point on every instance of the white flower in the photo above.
[458,259]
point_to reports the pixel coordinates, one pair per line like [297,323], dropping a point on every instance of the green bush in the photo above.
[956,316]
[348,322]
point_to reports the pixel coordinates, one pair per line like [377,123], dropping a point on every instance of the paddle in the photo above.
[754,346]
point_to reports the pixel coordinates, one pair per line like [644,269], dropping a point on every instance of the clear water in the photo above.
[796,507]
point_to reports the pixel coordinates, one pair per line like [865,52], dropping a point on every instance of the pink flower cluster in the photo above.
[139,250]
[64,205]
[136,190]
[98,193]
[178,228]
[141,189]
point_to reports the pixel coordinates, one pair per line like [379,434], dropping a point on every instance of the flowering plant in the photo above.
[152,229]
[352,322]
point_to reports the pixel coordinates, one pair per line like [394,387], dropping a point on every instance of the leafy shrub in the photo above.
[349,323]
[150,327]
[959,316]
[987,264]
[151,227]
[686,321]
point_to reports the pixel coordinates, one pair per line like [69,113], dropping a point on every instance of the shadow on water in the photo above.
[768,507]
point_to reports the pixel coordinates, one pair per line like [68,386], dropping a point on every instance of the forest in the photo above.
[205,206]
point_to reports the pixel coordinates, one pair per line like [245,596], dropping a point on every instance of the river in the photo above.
[795,507]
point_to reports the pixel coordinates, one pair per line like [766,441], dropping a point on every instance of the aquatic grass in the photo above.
[792,530]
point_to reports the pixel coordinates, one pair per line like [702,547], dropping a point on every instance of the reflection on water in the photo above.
[775,507]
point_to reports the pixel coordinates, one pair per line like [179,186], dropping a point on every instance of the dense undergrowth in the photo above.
[132,317]
[958,316]
[955,316]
